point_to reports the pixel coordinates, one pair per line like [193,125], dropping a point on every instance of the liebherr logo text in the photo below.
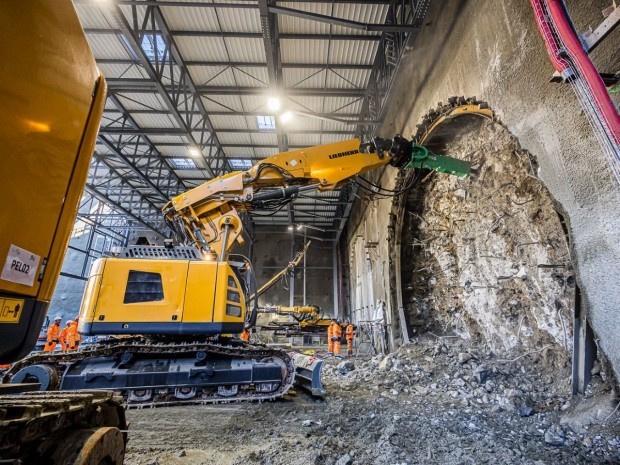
[343,154]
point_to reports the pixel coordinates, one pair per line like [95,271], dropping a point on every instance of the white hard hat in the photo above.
[58,317]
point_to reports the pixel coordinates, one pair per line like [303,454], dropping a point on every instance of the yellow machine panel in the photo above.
[51,96]
[158,297]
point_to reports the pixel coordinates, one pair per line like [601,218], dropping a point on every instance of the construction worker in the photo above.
[53,335]
[245,335]
[73,339]
[330,343]
[62,338]
[350,333]
[336,337]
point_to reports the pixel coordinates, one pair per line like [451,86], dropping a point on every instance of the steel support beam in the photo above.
[246,35]
[180,132]
[242,64]
[145,85]
[172,81]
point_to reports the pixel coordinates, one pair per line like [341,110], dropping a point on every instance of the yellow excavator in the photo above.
[173,304]
[308,319]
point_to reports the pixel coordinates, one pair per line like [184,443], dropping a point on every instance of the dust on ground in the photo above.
[433,401]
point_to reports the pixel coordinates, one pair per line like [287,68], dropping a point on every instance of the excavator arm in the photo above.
[208,216]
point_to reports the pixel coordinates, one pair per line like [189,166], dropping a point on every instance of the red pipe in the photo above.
[553,47]
[581,59]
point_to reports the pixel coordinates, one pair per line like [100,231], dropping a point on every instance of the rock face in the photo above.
[487,256]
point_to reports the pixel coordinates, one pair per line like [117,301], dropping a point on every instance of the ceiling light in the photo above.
[194,152]
[286,117]
[273,103]
[290,228]
[299,227]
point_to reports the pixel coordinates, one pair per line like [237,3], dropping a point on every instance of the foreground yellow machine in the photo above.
[51,100]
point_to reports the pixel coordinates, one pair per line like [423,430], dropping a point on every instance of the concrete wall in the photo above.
[492,50]
[274,248]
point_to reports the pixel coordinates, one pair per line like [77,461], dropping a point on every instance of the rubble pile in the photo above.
[436,401]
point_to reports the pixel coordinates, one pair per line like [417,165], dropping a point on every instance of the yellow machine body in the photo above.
[162,297]
[51,99]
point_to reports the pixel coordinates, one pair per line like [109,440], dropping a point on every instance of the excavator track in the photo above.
[167,373]
[43,427]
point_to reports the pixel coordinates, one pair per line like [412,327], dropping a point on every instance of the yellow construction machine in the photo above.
[51,101]
[173,304]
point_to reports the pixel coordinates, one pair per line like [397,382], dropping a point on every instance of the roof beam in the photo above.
[247,35]
[329,116]
[145,85]
[181,132]
[241,64]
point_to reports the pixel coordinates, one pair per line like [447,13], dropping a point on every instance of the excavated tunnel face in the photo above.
[485,258]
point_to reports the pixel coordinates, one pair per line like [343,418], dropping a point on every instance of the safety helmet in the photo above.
[58,318]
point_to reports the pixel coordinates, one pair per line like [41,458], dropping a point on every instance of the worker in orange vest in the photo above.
[73,339]
[53,335]
[336,337]
[62,338]
[350,333]
[245,335]
[330,343]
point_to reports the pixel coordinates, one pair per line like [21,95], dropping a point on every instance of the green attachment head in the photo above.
[421,157]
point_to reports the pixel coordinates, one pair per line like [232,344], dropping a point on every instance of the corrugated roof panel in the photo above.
[308,124]
[143,101]
[107,46]
[191,174]
[91,16]
[255,103]
[348,78]
[222,103]
[363,13]
[112,70]
[202,48]
[190,18]
[329,138]
[304,77]
[228,122]
[304,51]
[245,49]
[169,140]
[212,75]
[265,139]
[345,104]
[361,52]
[290,24]
[154,120]
[238,152]
[306,103]
[264,152]
[234,138]
[179,151]
[306,140]
[251,77]
[337,126]
[239,19]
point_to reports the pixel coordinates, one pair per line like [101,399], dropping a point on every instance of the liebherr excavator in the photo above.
[181,300]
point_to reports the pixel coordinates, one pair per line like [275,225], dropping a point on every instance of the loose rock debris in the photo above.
[419,405]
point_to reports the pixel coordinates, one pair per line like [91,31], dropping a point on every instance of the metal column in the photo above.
[335,278]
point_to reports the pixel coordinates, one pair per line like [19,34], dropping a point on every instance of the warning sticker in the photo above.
[11,310]
[20,266]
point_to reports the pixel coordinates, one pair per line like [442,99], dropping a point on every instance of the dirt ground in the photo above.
[433,401]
